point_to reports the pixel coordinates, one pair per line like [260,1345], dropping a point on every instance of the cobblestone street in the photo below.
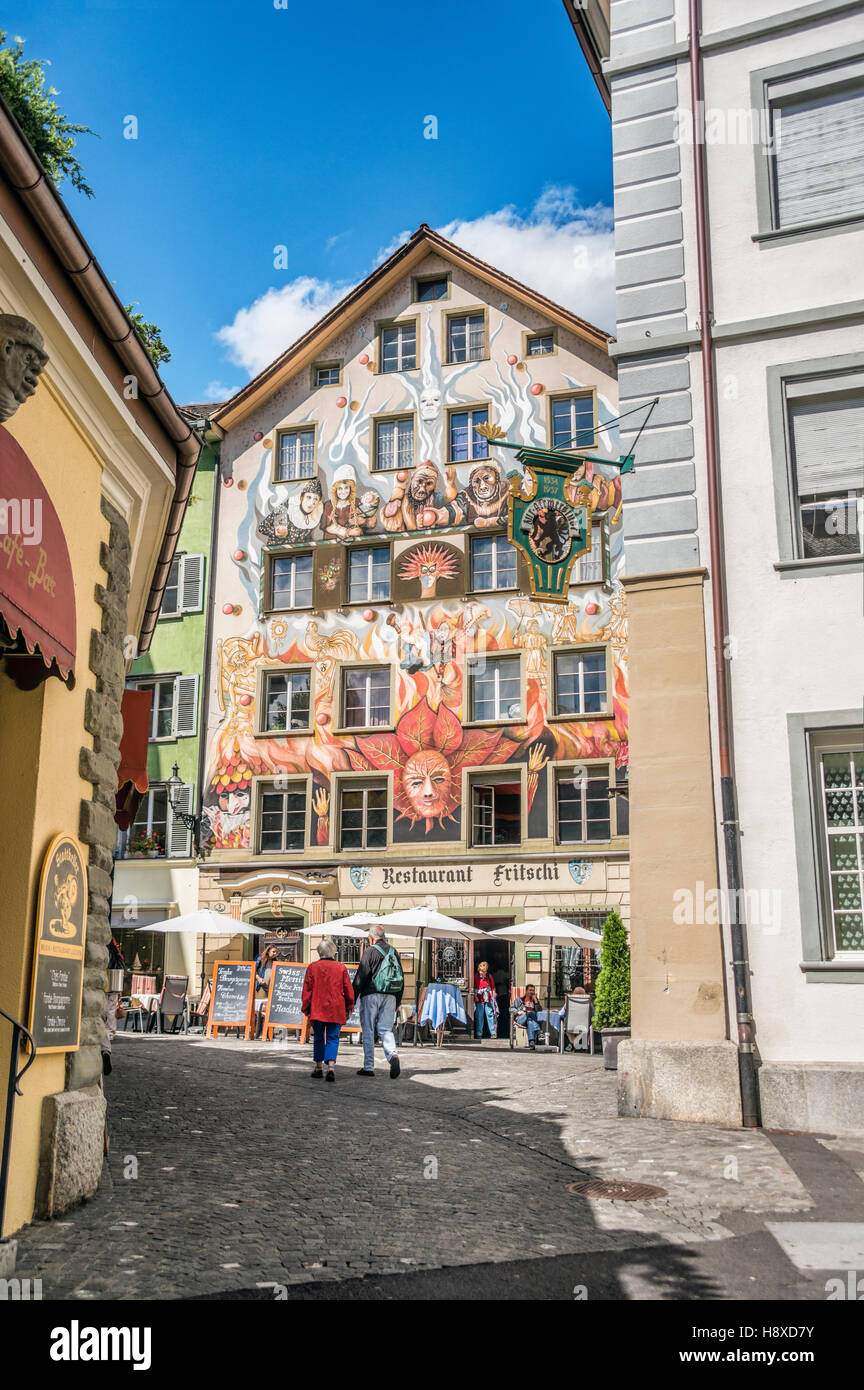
[231,1171]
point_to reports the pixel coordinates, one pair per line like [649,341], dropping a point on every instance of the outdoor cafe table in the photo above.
[442,1001]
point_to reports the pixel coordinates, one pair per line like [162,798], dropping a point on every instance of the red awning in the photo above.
[132,780]
[37,592]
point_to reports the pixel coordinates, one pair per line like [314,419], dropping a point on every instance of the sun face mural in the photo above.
[428,624]
[426,755]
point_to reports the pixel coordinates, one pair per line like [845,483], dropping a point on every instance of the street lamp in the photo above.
[173,787]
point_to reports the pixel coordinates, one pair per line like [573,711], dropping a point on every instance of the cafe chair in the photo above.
[134,1009]
[406,1018]
[197,1018]
[520,1039]
[172,1005]
[577,1027]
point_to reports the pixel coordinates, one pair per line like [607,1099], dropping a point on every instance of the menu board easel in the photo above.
[284,999]
[232,1002]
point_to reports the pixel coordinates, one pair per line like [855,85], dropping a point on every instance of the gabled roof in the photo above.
[359,300]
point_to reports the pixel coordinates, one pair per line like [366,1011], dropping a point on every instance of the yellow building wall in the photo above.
[41,733]
[677,971]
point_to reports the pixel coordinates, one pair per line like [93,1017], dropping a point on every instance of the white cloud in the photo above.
[217,391]
[270,325]
[558,247]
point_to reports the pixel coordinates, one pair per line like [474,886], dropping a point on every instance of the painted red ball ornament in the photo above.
[369,615]
[429,518]
[592,608]
[537,389]
[227,482]
[258,436]
[227,608]
[245,699]
[402,475]
[364,359]
[512,359]
[322,719]
[342,401]
[239,555]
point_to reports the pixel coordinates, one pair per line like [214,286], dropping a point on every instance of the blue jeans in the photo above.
[377,1011]
[481,1012]
[325,1040]
[532,1027]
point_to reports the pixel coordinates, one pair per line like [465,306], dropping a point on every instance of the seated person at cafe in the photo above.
[528,1014]
[559,1018]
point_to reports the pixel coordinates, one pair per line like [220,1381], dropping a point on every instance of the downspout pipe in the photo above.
[731,831]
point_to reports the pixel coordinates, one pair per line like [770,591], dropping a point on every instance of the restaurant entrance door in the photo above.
[499,957]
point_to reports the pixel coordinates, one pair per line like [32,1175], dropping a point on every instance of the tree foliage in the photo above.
[612,999]
[52,135]
[151,337]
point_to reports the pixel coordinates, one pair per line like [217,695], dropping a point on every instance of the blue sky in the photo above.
[261,127]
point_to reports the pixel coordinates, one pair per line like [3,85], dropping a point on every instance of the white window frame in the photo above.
[400,329]
[290,788]
[391,426]
[372,784]
[600,775]
[481,667]
[481,782]
[293,606]
[473,441]
[581,712]
[297,463]
[495,586]
[595,556]
[575,440]
[824,833]
[369,551]
[369,672]
[288,674]
[466,317]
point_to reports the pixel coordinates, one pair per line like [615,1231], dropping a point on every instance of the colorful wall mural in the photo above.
[431,625]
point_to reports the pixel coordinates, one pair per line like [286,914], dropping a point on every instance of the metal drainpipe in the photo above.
[738,928]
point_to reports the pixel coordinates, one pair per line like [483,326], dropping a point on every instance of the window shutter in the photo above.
[819,162]
[171,598]
[179,838]
[185,705]
[826,437]
[192,584]
[330,563]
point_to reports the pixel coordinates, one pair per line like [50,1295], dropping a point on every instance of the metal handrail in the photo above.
[12,1090]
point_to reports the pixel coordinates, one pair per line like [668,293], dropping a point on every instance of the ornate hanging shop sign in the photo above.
[549,512]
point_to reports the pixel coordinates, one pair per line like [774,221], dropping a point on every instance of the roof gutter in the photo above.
[35,190]
[731,829]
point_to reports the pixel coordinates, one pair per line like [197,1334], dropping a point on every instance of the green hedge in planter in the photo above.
[612,999]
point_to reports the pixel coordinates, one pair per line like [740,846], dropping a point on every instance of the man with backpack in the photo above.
[378,986]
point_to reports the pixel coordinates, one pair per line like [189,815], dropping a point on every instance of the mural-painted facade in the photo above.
[378,655]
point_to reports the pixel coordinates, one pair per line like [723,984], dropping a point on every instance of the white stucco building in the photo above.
[774,327]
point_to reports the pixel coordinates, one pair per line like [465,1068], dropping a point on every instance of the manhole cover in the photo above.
[616,1191]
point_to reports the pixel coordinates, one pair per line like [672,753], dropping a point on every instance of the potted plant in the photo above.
[612,999]
[145,846]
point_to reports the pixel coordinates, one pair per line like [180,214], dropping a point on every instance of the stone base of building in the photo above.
[72,1150]
[679,1081]
[820,1097]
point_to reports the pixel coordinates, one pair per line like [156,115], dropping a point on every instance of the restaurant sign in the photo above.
[464,879]
[58,959]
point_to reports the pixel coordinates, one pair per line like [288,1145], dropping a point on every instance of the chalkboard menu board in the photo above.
[353,1023]
[285,996]
[233,991]
[58,964]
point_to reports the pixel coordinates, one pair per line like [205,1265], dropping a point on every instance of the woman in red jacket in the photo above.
[327,1000]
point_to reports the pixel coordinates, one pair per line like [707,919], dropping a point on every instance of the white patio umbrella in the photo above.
[549,929]
[427,922]
[357,924]
[204,921]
